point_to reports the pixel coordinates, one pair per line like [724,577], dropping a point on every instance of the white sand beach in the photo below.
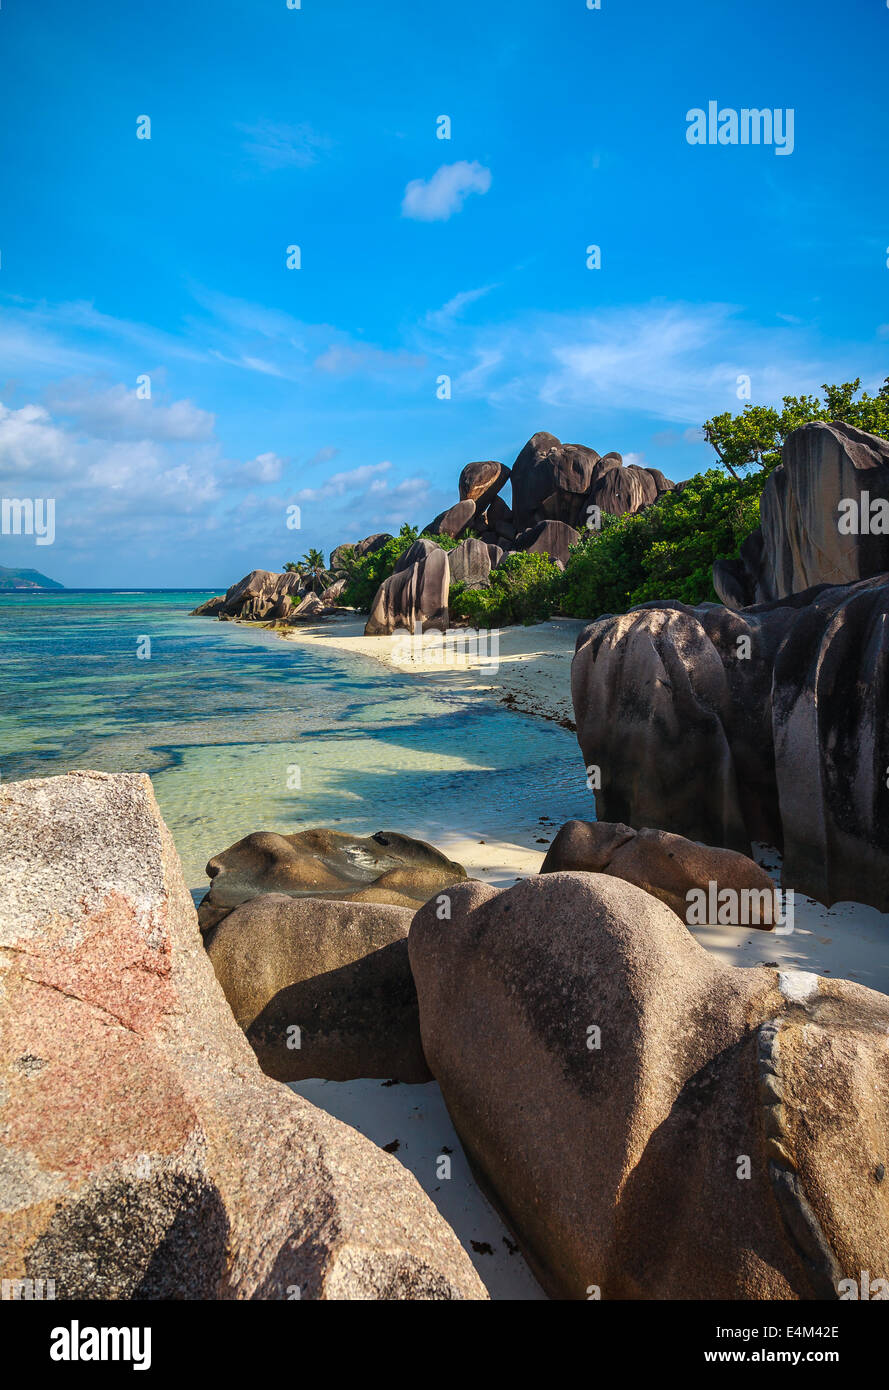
[847,941]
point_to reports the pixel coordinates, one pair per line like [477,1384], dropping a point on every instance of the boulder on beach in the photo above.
[146,1156]
[676,870]
[825,518]
[259,595]
[763,724]
[387,867]
[413,598]
[308,608]
[331,596]
[651,1123]
[322,988]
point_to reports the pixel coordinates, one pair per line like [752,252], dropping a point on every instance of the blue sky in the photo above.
[271,127]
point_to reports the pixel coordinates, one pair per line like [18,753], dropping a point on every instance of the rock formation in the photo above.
[472,561]
[321,988]
[766,724]
[383,868]
[413,597]
[552,481]
[825,518]
[145,1154]
[667,866]
[651,1123]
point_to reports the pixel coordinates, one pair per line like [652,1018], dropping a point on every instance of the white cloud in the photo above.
[338,484]
[117,412]
[441,196]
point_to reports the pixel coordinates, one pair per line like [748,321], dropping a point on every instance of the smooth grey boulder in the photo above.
[260,594]
[454,521]
[414,598]
[765,724]
[471,562]
[832,477]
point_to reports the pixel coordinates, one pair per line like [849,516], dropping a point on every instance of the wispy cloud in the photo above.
[438,198]
[277,146]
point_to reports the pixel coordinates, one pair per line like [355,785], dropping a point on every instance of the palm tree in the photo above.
[293,567]
[313,566]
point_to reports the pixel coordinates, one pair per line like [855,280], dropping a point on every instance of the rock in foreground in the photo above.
[322,988]
[383,868]
[146,1156]
[651,1123]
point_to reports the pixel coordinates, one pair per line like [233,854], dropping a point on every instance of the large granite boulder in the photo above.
[765,724]
[383,868]
[552,481]
[321,988]
[481,482]
[651,1123]
[356,550]
[414,598]
[678,871]
[471,562]
[552,538]
[307,610]
[145,1154]
[499,520]
[454,521]
[210,608]
[260,594]
[331,596]
[421,549]
[825,518]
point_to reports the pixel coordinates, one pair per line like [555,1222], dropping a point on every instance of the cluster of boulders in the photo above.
[263,596]
[649,1122]
[764,720]
[557,489]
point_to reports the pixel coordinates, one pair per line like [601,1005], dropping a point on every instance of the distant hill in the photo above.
[25,579]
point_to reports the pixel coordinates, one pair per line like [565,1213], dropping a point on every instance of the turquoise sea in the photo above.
[220,714]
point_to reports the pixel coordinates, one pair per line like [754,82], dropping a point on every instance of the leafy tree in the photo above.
[366,573]
[523,589]
[754,437]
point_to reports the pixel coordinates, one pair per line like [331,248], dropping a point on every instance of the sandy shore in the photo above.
[533,664]
[532,676]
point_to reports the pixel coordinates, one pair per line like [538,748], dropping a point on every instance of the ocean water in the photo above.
[219,716]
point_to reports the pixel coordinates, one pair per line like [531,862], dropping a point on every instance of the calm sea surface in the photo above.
[220,713]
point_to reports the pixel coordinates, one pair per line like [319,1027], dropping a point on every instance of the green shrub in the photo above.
[522,590]
[665,551]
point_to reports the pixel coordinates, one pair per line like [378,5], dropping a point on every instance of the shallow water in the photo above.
[220,715]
